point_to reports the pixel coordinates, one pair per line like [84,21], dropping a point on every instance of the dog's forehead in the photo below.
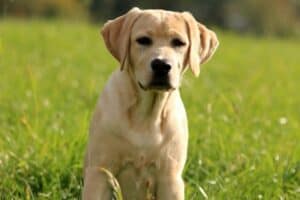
[159,22]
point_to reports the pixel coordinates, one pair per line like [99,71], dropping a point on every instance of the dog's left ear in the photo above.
[116,34]
[203,43]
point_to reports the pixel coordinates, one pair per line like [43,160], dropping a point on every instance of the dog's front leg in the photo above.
[96,186]
[170,188]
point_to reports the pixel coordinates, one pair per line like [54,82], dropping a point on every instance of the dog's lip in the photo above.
[156,87]
[141,86]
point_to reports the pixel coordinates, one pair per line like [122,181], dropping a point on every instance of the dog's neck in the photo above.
[149,105]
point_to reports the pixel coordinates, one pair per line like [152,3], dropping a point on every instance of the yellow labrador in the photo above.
[139,130]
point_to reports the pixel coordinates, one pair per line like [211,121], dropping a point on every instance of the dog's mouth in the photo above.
[156,85]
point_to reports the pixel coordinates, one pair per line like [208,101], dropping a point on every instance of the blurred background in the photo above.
[261,17]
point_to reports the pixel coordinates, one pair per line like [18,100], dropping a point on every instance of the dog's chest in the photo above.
[137,177]
[148,135]
[140,163]
[145,138]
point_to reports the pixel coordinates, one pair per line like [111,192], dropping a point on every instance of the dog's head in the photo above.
[156,46]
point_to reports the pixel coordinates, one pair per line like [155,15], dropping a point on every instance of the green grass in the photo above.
[240,147]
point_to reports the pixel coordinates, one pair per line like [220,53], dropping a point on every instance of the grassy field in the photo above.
[244,113]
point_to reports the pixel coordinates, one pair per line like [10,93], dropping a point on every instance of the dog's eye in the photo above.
[146,41]
[177,43]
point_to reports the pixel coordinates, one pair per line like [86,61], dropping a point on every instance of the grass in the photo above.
[244,113]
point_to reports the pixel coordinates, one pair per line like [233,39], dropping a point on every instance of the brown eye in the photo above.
[177,43]
[145,41]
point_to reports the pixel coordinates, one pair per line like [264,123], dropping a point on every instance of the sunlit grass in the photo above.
[114,184]
[243,110]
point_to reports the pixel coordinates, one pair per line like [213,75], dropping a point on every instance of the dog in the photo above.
[139,130]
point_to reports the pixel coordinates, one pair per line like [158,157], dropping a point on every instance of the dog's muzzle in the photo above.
[160,75]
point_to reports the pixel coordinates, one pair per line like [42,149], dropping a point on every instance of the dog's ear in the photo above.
[116,34]
[203,43]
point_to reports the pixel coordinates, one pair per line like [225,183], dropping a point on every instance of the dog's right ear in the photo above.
[116,34]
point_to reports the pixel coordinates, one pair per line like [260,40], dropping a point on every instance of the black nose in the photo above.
[160,67]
